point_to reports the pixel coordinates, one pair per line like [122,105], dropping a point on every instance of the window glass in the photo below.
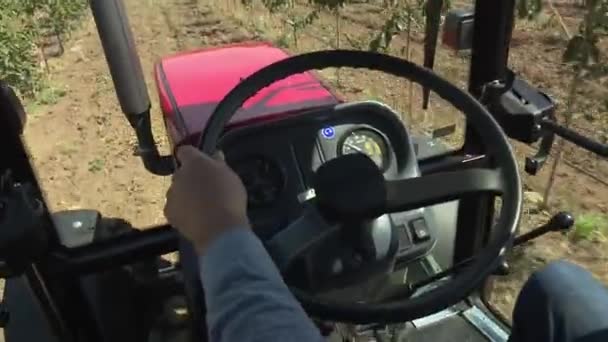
[575,179]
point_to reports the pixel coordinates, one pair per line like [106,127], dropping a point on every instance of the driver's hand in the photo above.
[206,198]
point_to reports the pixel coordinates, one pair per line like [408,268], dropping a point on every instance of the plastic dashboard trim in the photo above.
[332,113]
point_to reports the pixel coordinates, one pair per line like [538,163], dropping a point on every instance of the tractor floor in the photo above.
[454,328]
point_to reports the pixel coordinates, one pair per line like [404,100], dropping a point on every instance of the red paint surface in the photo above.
[199,80]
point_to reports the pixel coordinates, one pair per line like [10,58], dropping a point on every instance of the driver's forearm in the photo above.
[245,295]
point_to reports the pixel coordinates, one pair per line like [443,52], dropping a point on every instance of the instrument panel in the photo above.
[263,179]
[277,161]
[264,175]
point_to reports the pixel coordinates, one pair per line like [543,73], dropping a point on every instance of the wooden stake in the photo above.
[408,54]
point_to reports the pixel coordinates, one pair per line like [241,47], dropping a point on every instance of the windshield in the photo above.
[85,150]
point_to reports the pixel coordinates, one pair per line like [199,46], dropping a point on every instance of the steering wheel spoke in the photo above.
[307,231]
[412,193]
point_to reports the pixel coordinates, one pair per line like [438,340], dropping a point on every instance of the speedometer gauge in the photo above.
[367,142]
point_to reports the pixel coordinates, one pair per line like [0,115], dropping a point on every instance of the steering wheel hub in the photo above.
[350,188]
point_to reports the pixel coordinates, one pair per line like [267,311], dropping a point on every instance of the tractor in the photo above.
[377,231]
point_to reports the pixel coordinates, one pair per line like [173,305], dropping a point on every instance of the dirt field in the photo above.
[84,148]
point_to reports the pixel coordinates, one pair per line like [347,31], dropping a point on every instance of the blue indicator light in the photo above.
[328,132]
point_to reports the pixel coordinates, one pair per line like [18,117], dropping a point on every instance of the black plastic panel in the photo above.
[27,320]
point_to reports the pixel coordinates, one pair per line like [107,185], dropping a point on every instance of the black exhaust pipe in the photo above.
[127,75]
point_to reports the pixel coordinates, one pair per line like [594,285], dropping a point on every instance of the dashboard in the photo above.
[277,160]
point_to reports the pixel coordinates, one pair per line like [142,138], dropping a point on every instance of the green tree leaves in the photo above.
[22,26]
[529,9]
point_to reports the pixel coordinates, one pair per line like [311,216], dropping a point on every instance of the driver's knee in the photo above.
[561,284]
[556,279]
[561,302]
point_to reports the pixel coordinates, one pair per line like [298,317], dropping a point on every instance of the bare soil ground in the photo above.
[84,148]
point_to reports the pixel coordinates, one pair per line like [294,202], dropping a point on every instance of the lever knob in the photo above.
[562,221]
[503,268]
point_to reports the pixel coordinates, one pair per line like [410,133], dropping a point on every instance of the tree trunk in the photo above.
[408,54]
[338,43]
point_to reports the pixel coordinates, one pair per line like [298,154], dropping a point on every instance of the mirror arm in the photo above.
[125,67]
[146,146]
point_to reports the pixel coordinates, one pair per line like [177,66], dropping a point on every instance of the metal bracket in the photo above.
[485,325]
[521,109]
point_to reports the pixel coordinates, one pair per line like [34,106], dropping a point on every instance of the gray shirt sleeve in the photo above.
[245,295]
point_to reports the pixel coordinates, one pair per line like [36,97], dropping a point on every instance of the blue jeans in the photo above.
[561,303]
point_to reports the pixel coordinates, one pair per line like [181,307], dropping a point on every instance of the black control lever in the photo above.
[561,222]
[576,138]
[503,268]
[536,162]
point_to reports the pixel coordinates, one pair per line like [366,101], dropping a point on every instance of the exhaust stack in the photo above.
[127,75]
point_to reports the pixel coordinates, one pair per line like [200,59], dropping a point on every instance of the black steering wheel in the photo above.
[387,196]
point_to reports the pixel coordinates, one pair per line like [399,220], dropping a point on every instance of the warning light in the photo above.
[328,132]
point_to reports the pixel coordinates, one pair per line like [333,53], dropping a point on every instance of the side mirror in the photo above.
[11,109]
[458,29]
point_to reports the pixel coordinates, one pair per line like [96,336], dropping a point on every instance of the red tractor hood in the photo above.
[190,85]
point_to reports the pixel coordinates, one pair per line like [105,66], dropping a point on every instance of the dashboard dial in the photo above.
[262,178]
[369,143]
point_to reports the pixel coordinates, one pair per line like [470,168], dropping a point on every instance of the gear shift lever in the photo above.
[561,222]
